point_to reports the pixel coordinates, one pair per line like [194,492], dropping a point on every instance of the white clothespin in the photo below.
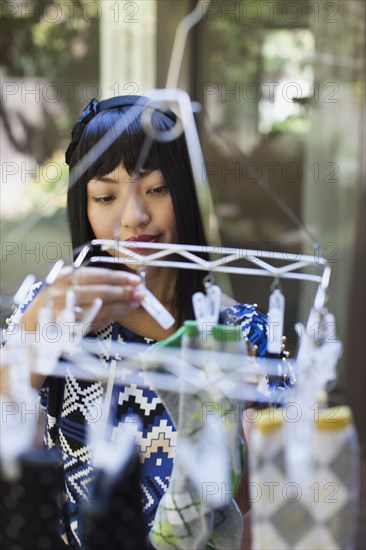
[207,306]
[24,288]
[48,339]
[81,329]
[276,316]
[66,321]
[155,308]
[316,366]
[47,335]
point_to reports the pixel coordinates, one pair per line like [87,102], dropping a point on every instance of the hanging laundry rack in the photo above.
[227,256]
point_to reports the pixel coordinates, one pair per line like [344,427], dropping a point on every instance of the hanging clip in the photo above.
[276,316]
[155,308]
[48,337]
[206,307]
[66,321]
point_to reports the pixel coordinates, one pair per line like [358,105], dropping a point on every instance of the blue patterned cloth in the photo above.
[253,323]
[72,406]
[69,403]
[31,295]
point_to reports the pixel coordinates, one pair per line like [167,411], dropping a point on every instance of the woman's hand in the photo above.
[120,292]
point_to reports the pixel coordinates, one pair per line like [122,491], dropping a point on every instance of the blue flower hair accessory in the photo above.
[88,113]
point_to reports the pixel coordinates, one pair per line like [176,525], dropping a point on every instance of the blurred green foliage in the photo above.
[61,45]
[55,43]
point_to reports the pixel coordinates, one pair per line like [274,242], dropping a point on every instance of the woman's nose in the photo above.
[134,213]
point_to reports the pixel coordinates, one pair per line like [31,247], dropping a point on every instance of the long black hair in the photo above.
[171,158]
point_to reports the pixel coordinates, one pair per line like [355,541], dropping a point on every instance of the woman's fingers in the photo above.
[97,276]
[86,294]
[120,292]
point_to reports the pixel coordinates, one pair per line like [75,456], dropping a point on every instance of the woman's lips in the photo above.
[137,242]
[143,239]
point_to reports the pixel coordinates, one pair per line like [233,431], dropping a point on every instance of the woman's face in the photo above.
[144,207]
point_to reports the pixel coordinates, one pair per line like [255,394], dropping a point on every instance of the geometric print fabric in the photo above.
[72,406]
[77,411]
[319,515]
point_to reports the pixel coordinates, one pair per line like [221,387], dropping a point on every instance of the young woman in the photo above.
[158,204]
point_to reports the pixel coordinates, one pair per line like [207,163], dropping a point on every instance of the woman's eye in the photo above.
[104,200]
[161,190]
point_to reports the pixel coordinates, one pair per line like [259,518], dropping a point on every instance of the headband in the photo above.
[94,107]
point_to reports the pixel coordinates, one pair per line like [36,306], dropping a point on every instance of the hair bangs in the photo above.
[126,143]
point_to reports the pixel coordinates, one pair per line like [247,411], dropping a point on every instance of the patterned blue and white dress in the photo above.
[71,406]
